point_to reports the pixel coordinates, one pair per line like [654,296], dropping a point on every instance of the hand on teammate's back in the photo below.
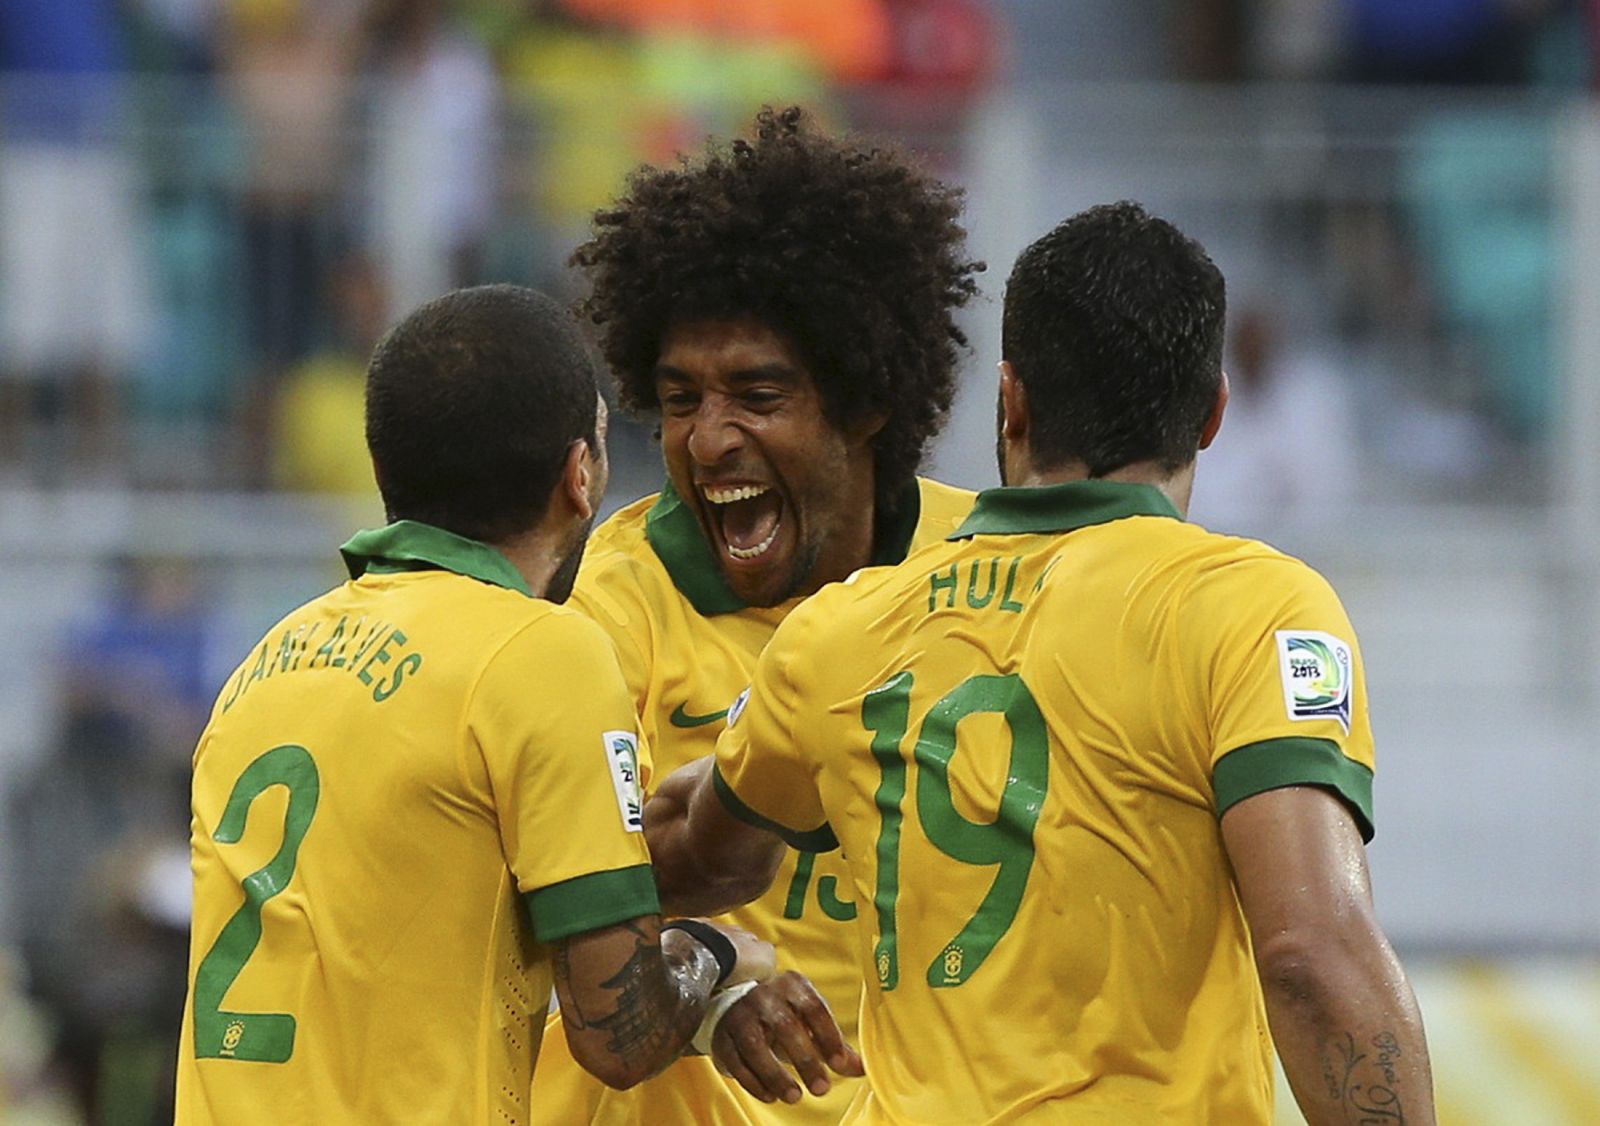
[783,1020]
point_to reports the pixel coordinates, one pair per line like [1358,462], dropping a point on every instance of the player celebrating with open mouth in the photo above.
[785,306]
[1101,778]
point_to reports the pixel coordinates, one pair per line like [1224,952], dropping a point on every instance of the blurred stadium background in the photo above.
[210,208]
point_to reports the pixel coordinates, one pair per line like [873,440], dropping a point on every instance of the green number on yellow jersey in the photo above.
[262,1037]
[1005,842]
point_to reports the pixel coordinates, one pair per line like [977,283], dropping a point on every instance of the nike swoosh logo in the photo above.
[681,718]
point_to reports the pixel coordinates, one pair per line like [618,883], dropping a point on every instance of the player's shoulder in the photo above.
[624,529]
[944,507]
[621,571]
[847,608]
[1217,550]
[941,510]
[552,635]
[1244,571]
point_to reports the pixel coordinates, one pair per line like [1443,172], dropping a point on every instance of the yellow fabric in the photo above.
[461,735]
[321,405]
[1120,988]
[673,657]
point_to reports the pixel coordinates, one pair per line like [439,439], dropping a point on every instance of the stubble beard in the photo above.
[559,588]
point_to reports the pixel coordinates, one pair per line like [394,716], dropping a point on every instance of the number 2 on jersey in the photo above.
[1005,843]
[263,1037]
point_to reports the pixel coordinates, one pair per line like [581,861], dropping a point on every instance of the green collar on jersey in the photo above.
[1061,508]
[674,532]
[407,545]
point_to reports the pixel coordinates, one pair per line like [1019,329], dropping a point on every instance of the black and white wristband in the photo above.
[719,944]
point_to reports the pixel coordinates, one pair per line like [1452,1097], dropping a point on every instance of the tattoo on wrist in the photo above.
[651,1009]
[1363,1078]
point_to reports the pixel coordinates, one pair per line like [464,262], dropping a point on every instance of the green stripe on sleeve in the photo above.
[587,903]
[1275,763]
[820,839]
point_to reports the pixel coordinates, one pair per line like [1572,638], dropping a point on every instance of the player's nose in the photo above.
[714,435]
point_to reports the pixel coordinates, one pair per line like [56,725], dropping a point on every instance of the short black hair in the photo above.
[472,404]
[1113,322]
[848,250]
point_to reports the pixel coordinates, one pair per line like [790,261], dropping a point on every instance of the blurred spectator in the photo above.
[613,85]
[94,820]
[433,169]
[321,403]
[75,314]
[1287,456]
[287,66]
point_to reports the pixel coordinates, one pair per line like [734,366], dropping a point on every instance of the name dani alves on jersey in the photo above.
[365,651]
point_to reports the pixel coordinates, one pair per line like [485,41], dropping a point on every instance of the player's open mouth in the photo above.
[748,518]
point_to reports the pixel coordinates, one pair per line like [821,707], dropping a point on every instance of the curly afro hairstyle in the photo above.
[851,252]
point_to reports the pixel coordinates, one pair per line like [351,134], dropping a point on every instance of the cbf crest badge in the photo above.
[1318,675]
[622,752]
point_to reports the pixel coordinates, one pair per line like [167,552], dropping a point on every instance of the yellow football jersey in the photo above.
[402,773]
[688,646]
[1023,740]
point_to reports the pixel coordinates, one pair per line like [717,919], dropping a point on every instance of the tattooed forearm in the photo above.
[1363,1078]
[646,1008]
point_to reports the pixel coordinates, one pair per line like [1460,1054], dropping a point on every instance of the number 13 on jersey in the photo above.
[1005,843]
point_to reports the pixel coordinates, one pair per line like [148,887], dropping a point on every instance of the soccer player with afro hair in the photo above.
[785,306]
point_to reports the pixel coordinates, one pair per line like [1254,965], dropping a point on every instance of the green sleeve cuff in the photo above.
[820,839]
[1275,763]
[587,903]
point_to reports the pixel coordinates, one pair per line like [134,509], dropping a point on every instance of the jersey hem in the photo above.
[1273,764]
[820,839]
[587,903]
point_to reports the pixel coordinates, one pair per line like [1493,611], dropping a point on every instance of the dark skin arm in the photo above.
[631,997]
[706,860]
[711,861]
[1343,1015]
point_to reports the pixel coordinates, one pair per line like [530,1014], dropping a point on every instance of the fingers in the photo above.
[825,1033]
[741,1048]
[783,1019]
[790,1033]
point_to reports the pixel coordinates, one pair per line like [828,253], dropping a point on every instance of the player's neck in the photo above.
[1176,486]
[537,556]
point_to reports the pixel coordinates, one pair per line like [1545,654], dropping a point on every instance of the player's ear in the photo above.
[1014,411]
[578,482]
[1214,423]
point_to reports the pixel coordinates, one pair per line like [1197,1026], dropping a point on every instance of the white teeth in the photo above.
[752,552]
[727,495]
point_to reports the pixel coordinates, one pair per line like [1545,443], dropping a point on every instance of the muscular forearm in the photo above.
[688,888]
[650,1005]
[1349,1034]
[705,862]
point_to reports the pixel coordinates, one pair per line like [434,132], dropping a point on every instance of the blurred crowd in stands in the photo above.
[211,209]
[208,208]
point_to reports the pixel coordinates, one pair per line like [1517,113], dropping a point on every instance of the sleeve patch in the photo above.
[1318,678]
[622,754]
